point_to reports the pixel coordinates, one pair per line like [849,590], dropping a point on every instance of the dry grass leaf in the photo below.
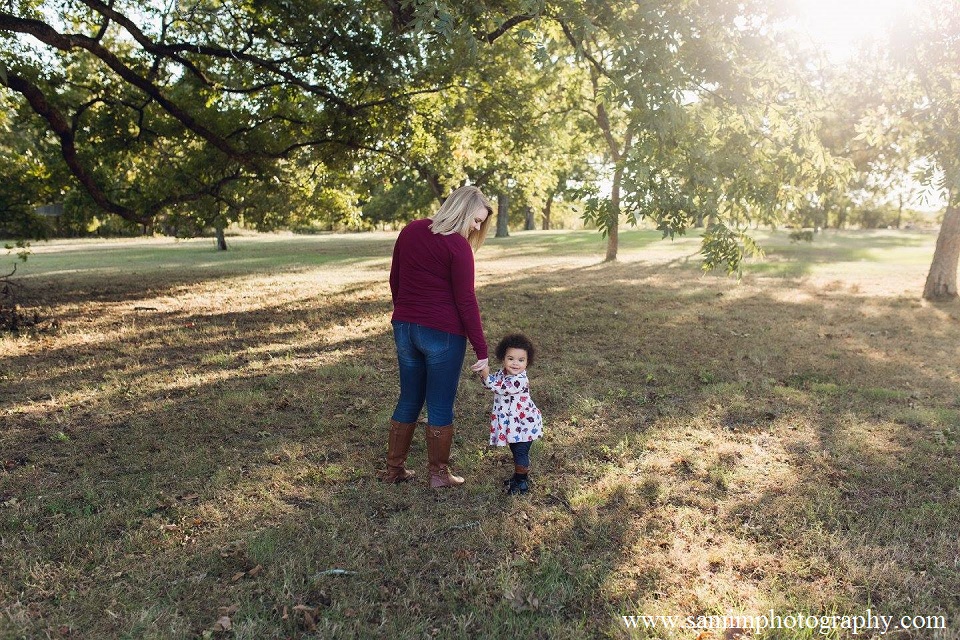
[232,549]
[519,602]
[309,622]
[303,607]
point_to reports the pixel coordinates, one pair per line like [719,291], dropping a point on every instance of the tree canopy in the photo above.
[288,112]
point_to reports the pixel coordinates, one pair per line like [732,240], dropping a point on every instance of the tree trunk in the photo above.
[221,240]
[613,225]
[547,208]
[503,216]
[942,279]
[529,224]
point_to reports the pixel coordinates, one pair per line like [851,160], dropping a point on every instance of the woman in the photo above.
[435,312]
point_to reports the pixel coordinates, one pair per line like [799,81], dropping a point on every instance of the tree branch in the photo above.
[174,50]
[506,26]
[48,35]
[579,48]
[58,123]
[60,126]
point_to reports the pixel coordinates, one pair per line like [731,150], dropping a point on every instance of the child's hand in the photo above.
[484,372]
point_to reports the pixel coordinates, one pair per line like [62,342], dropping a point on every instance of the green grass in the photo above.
[197,439]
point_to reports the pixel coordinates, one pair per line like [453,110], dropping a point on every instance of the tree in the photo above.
[703,116]
[220,112]
[934,67]
[249,92]
[504,124]
[241,91]
[503,215]
[916,113]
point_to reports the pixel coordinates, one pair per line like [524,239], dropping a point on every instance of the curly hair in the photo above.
[515,341]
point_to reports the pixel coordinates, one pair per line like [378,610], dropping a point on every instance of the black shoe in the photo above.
[515,487]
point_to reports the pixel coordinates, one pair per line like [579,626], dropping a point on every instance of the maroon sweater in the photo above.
[431,279]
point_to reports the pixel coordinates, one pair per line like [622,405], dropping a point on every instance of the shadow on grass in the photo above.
[708,447]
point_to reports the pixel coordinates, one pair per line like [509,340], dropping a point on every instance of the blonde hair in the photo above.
[455,215]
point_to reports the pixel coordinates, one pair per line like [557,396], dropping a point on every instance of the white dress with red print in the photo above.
[514,418]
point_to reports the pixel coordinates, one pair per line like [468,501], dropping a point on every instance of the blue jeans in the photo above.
[430,361]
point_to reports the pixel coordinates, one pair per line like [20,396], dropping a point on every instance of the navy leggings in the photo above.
[521,453]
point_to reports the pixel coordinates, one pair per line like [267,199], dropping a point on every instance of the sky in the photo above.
[839,25]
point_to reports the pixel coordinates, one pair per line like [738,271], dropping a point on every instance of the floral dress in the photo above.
[514,418]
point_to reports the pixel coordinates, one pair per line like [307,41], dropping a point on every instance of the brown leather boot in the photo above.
[401,435]
[439,440]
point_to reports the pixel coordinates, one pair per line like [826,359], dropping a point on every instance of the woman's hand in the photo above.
[480,365]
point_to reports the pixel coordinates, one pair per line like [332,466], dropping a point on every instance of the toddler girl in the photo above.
[515,420]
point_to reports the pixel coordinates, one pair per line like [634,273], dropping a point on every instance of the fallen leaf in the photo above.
[228,611]
[253,573]
[223,624]
[231,549]
[238,576]
[309,621]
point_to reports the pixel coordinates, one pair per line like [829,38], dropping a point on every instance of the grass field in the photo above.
[190,444]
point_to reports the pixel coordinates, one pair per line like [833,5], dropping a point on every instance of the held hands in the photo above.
[481,367]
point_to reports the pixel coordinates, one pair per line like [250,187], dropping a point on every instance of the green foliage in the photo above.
[726,248]
[598,212]
[22,248]
[909,115]
[400,199]
[688,114]
[703,118]
[223,110]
